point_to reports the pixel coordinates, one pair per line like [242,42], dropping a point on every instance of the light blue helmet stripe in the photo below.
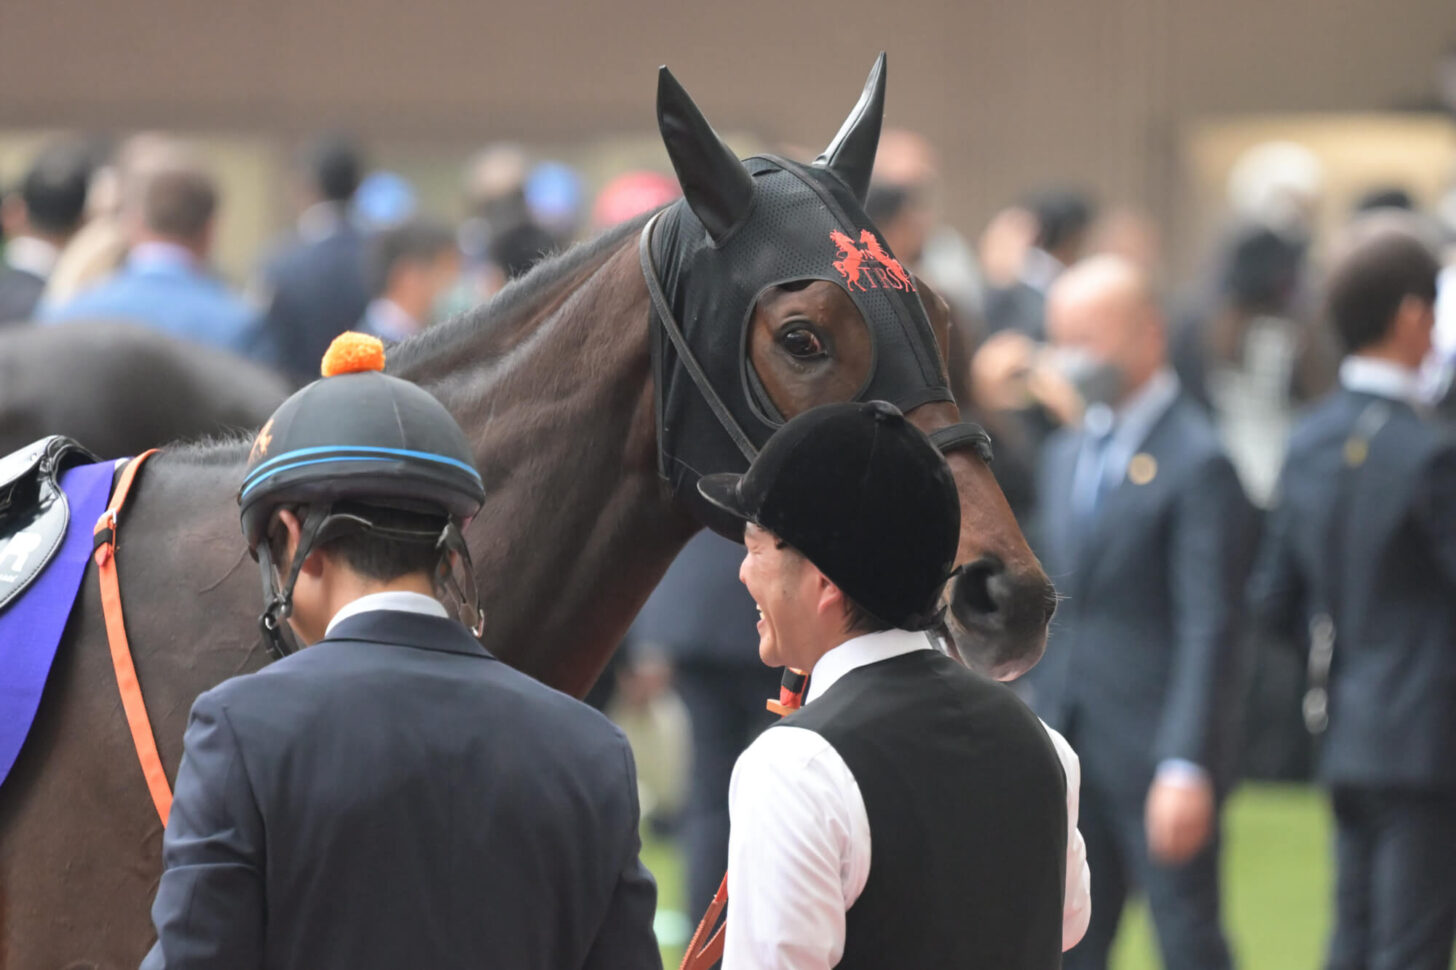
[336,453]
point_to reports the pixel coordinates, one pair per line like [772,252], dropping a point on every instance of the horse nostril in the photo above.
[972,594]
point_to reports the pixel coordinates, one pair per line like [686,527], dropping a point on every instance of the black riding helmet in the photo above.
[361,437]
[865,496]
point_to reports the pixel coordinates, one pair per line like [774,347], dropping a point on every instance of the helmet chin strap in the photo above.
[278,601]
[321,524]
[452,541]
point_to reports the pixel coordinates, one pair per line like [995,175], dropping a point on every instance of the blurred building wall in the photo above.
[1013,93]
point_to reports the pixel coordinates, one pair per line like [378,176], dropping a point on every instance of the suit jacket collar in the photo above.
[415,630]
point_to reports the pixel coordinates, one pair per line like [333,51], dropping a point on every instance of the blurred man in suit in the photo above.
[1143,527]
[39,218]
[1360,552]
[166,282]
[1063,220]
[313,283]
[409,267]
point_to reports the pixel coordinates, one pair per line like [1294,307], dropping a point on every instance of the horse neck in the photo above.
[577,527]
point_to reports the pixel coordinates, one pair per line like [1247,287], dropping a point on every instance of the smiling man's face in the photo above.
[782,583]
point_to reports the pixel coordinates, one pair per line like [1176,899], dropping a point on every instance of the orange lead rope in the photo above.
[705,950]
[126,678]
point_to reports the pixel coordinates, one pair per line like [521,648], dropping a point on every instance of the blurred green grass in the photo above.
[1277,879]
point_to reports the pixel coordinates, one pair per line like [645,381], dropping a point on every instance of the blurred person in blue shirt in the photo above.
[410,268]
[166,282]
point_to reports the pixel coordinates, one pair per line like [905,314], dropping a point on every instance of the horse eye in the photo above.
[803,343]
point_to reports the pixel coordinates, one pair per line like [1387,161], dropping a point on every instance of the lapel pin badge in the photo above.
[1356,451]
[1142,469]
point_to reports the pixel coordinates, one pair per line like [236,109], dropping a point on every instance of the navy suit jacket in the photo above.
[394,796]
[1141,665]
[700,610]
[317,292]
[1392,567]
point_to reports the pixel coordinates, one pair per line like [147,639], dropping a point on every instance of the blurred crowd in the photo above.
[1154,436]
[127,233]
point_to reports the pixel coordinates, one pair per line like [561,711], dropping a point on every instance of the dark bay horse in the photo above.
[554,384]
[120,388]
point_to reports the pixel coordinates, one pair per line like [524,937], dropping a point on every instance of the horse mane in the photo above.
[517,300]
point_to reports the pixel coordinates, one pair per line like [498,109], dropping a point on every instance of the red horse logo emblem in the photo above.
[868,262]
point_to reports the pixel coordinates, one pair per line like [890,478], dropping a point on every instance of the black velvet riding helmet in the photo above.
[865,496]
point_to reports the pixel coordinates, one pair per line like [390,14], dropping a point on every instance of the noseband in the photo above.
[962,434]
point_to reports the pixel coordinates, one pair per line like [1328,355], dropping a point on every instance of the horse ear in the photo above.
[851,155]
[714,182]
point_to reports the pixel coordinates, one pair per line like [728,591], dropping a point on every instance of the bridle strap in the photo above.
[963,435]
[663,312]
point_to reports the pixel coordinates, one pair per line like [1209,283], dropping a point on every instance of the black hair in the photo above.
[336,166]
[417,240]
[54,189]
[382,557]
[370,554]
[1061,216]
[516,249]
[1385,197]
[886,201]
[860,621]
[1375,273]
[1261,269]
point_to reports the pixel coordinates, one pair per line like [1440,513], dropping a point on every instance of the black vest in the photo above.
[967,808]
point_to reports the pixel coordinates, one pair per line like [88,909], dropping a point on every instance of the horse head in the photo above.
[786,297]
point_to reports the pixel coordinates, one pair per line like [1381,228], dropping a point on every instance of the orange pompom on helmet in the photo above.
[360,436]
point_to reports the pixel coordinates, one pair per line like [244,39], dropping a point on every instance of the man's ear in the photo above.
[1414,316]
[830,601]
[286,529]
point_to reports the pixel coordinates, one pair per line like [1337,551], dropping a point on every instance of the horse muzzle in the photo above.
[998,618]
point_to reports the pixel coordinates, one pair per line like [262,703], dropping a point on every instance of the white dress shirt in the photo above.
[1383,378]
[799,844]
[395,599]
[31,255]
[388,320]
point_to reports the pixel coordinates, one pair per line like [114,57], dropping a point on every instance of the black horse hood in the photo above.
[743,227]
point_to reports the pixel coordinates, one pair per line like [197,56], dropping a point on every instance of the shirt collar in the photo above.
[157,255]
[1135,417]
[400,600]
[322,220]
[1366,375]
[860,651]
[31,255]
[388,320]
[1040,269]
